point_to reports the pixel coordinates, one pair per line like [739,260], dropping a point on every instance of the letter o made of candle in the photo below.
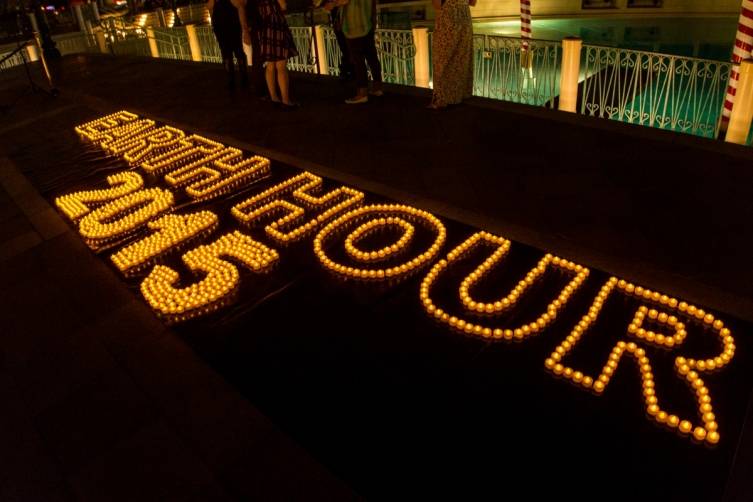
[372,217]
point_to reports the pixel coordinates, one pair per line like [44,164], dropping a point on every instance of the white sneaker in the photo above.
[357,100]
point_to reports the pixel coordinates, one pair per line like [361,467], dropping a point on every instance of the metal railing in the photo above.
[14,60]
[129,43]
[397,54]
[193,13]
[395,48]
[172,43]
[75,43]
[334,55]
[656,90]
[676,93]
[305,61]
[511,69]
[210,49]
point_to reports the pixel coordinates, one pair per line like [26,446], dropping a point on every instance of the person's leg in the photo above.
[346,66]
[240,57]
[257,65]
[227,61]
[282,80]
[372,57]
[271,78]
[357,57]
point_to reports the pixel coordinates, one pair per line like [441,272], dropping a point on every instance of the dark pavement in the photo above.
[103,402]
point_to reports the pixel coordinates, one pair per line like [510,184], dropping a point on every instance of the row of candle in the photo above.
[77,204]
[170,233]
[484,329]
[380,212]
[186,158]
[221,278]
[270,202]
[125,214]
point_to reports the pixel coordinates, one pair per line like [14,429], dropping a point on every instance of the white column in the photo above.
[32,51]
[742,112]
[321,50]
[33,21]
[152,43]
[79,17]
[161,20]
[95,11]
[422,62]
[101,42]
[193,42]
[570,71]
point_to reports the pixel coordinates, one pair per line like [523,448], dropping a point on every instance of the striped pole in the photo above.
[741,51]
[525,20]
[526,60]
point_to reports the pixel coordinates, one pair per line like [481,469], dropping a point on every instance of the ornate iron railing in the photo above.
[677,93]
[75,43]
[334,55]
[15,60]
[129,42]
[397,54]
[305,61]
[512,69]
[656,90]
[210,50]
[395,48]
[172,43]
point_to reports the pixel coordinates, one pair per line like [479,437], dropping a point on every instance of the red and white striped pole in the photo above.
[526,57]
[525,21]
[741,51]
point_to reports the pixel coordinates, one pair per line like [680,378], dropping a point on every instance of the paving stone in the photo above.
[92,419]
[152,464]
[48,224]
[27,470]
[19,244]
[59,366]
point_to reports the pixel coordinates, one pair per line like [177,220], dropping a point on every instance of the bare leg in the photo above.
[283,80]
[269,74]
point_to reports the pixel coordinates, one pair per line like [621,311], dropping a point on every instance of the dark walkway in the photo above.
[103,402]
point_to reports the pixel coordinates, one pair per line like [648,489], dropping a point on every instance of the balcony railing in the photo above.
[676,93]
[511,69]
[656,90]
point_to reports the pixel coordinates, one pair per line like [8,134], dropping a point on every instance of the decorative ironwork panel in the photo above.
[334,55]
[397,54]
[512,69]
[76,43]
[129,43]
[15,60]
[210,50]
[305,60]
[655,90]
[172,43]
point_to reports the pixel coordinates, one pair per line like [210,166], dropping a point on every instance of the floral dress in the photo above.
[452,53]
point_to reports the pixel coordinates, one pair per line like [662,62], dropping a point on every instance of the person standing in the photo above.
[359,26]
[346,67]
[252,37]
[228,22]
[452,52]
[276,46]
